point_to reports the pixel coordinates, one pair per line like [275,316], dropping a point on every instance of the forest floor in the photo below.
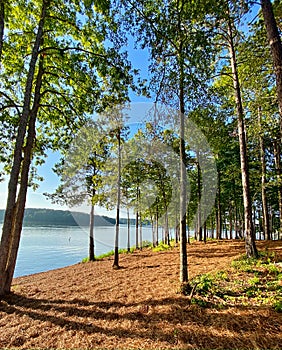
[91,305]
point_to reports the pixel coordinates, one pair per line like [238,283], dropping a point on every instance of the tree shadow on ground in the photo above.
[170,321]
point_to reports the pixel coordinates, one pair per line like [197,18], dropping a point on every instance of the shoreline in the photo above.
[44,248]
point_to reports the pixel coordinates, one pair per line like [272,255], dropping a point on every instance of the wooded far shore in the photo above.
[51,217]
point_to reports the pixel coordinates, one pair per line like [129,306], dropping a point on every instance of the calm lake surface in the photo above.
[48,248]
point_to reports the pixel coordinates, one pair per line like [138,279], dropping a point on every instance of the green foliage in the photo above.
[47,217]
[100,257]
[82,168]
[205,283]
[221,275]
[161,247]
[147,244]
[278,306]
[250,282]
[200,302]
[146,184]
[254,281]
[243,264]
[273,269]
[81,75]
[248,264]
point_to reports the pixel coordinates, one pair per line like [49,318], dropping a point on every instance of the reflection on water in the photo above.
[47,248]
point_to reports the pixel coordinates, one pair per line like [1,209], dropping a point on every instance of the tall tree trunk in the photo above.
[19,210]
[277,150]
[199,213]
[176,227]
[157,227]
[188,225]
[236,221]
[205,231]
[270,218]
[137,221]
[218,215]
[136,230]
[128,231]
[21,199]
[265,217]
[11,211]
[254,220]
[2,26]
[212,227]
[218,209]
[183,180]
[140,231]
[91,232]
[261,232]
[230,222]
[250,245]
[276,50]
[116,254]
[167,240]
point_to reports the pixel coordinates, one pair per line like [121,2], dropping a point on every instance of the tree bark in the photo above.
[199,213]
[136,230]
[276,50]
[230,222]
[265,214]
[277,150]
[91,233]
[176,228]
[128,231]
[218,214]
[157,227]
[250,245]
[20,207]
[212,228]
[116,254]
[140,231]
[2,26]
[183,180]
[12,210]
[167,239]
[21,200]
[137,221]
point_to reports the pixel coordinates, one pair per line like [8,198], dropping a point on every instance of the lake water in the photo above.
[47,248]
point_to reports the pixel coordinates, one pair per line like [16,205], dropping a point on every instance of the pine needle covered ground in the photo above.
[235,305]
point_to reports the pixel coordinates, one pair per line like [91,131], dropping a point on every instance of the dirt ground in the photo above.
[91,305]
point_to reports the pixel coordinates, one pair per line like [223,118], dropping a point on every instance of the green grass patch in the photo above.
[205,284]
[109,254]
[145,244]
[249,264]
[249,282]
[161,247]
[277,306]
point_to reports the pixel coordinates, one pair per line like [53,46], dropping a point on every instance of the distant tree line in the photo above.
[50,217]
